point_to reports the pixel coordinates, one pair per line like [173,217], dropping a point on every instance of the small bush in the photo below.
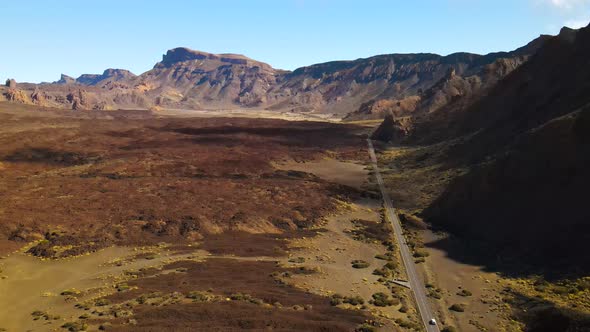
[298,260]
[365,327]
[390,265]
[382,272]
[304,270]
[70,292]
[457,307]
[336,299]
[354,300]
[383,300]
[240,297]
[560,290]
[360,264]
[104,326]
[245,297]
[449,329]
[75,326]
[122,287]
[385,257]
[464,293]
[421,253]
[102,302]
[150,255]
[198,296]
[408,324]
[435,294]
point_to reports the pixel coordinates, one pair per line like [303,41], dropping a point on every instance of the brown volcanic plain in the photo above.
[86,183]
[72,183]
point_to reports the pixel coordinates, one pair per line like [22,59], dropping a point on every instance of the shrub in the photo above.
[104,326]
[240,297]
[70,292]
[435,294]
[408,324]
[354,300]
[365,328]
[297,260]
[360,264]
[421,253]
[245,297]
[449,329]
[336,299]
[560,290]
[150,255]
[383,300]
[385,257]
[75,326]
[198,296]
[305,270]
[102,302]
[390,265]
[382,272]
[458,307]
[464,292]
[122,287]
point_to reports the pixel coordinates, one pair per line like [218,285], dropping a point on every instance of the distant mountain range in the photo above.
[402,84]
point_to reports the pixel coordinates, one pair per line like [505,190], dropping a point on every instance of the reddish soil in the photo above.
[100,178]
[226,277]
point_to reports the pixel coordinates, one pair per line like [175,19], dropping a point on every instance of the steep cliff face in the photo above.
[528,144]
[457,78]
[186,77]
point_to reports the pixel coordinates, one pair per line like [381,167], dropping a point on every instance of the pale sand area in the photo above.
[28,283]
[332,170]
[333,250]
[485,310]
[250,113]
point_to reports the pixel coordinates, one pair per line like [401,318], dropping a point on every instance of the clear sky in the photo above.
[42,39]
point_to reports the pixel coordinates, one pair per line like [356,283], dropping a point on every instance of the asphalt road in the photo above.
[416,284]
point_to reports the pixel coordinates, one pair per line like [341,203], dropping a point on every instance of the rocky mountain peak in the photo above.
[65,79]
[183,54]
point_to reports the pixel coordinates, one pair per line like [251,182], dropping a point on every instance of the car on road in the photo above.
[432,321]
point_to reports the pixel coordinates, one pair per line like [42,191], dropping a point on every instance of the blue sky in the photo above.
[42,39]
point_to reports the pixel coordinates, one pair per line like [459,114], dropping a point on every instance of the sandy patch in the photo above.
[28,283]
[332,170]
[482,311]
[331,253]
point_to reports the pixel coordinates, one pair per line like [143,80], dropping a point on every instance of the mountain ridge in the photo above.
[191,79]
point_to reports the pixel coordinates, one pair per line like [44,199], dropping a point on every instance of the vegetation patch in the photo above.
[337,299]
[37,315]
[389,256]
[360,264]
[75,326]
[383,300]
[458,307]
[370,231]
